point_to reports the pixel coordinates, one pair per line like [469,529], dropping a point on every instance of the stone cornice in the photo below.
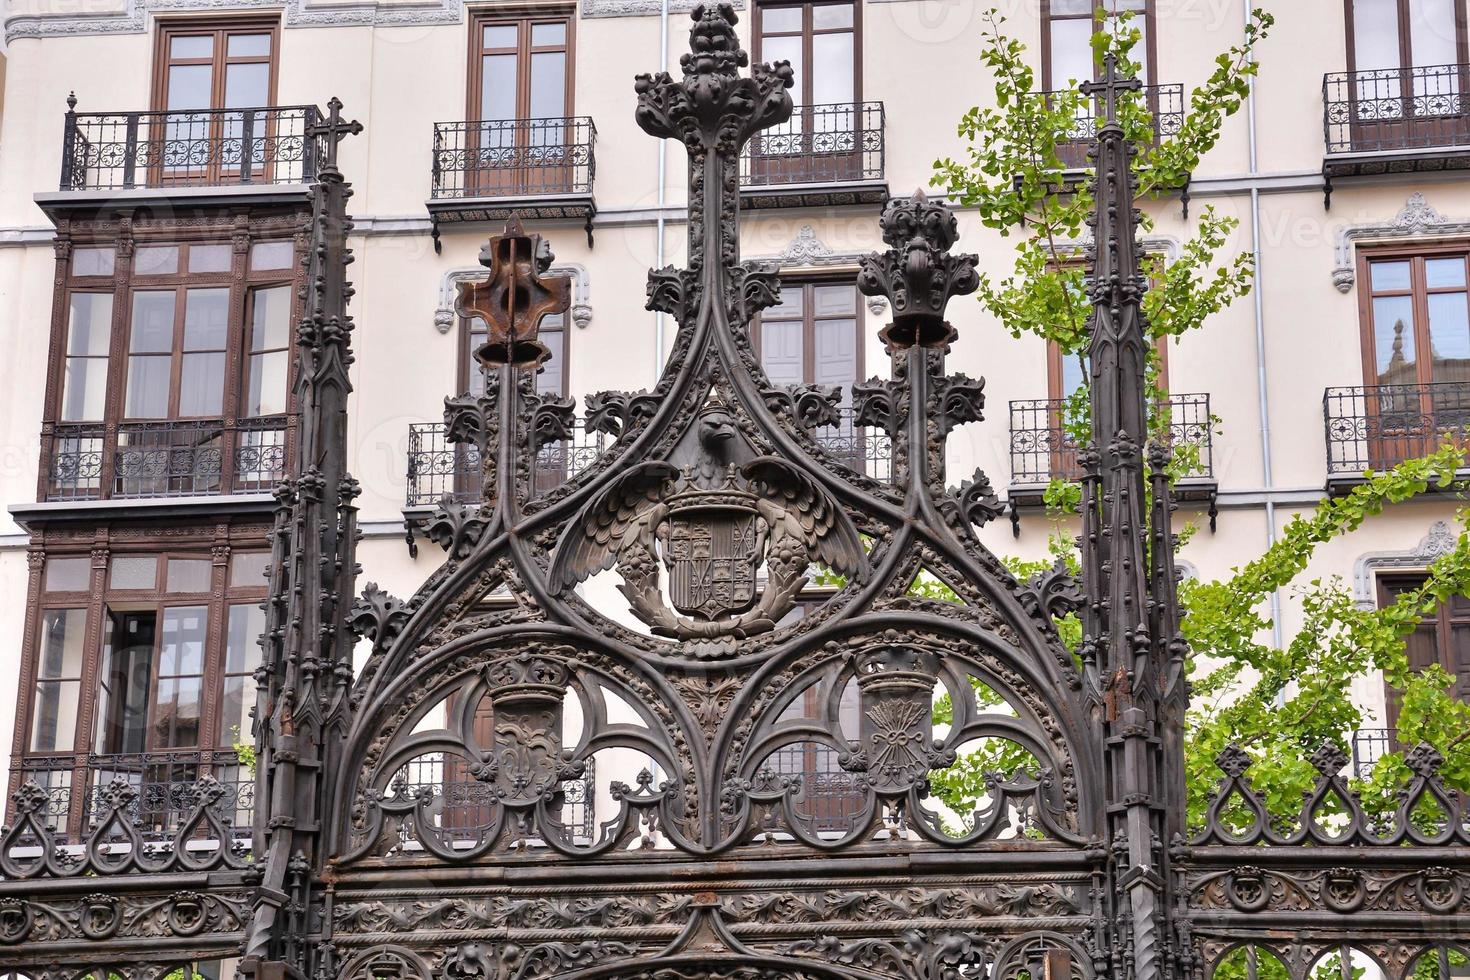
[1417,219]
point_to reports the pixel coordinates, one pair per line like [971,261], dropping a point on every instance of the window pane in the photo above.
[786,49]
[267,386]
[271,255]
[182,648]
[92,262]
[85,389]
[1060,7]
[1375,34]
[832,70]
[1442,273]
[189,574]
[836,353]
[1071,374]
[781,352]
[153,322]
[834,300]
[1449,336]
[148,383]
[1071,52]
[548,381]
[54,728]
[176,713]
[189,86]
[548,85]
[248,86]
[501,35]
[498,87]
[209,258]
[126,676]
[58,668]
[91,324]
[63,636]
[68,574]
[545,35]
[134,572]
[780,20]
[234,711]
[249,46]
[242,645]
[206,319]
[1393,339]
[270,318]
[191,46]
[827,16]
[1389,276]
[202,385]
[793,301]
[1432,33]
[156,260]
[247,569]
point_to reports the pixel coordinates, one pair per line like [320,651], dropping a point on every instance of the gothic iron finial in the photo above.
[1110,86]
[515,297]
[71,101]
[334,130]
[918,274]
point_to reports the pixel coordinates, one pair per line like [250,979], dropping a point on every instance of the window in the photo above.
[1066,38]
[1441,638]
[552,379]
[812,336]
[1416,318]
[520,99]
[1389,35]
[1064,373]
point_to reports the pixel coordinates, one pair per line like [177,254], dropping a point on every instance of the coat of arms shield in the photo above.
[712,554]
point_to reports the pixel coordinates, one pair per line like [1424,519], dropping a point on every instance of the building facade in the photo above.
[154,160]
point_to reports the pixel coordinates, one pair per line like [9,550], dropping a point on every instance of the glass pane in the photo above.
[248,86]
[548,381]
[156,260]
[793,301]
[1071,53]
[828,16]
[189,86]
[122,687]
[832,70]
[1389,276]
[242,644]
[1375,34]
[249,46]
[134,571]
[153,322]
[501,35]
[91,324]
[206,319]
[1432,32]
[209,258]
[202,385]
[270,318]
[836,353]
[498,87]
[1393,339]
[1063,7]
[781,352]
[271,255]
[1449,337]
[68,574]
[545,35]
[548,86]
[54,728]
[176,714]
[779,20]
[247,569]
[182,648]
[148,383]
[92,262]
[267,392]
[189,574]
[1071,374]
[1442,273]
[85,389]
[787,49]
[191,46]
[63,639]
[234,710]
[834,300]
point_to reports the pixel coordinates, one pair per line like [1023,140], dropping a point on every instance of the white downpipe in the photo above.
[1262,391]
[663,156]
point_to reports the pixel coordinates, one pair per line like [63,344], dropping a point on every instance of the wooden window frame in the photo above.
[757,33]
[1054,371]
[1444,622]
[809,322]
[221,28]
[1406,57]
[1419,293]
[1151,40]
[527,18]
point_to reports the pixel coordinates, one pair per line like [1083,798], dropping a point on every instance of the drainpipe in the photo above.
[1262,392]
[663,157]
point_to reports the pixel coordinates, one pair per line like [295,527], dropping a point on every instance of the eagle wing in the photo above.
[606,520]
[812,514]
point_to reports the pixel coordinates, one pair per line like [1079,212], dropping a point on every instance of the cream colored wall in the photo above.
[920,60]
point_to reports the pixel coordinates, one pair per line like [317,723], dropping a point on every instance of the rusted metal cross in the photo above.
[1110,86]
[514,298]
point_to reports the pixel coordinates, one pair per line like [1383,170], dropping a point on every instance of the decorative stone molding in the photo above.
[444,316]
[1418,218]
[641,8]
[297,13]
[1439,541]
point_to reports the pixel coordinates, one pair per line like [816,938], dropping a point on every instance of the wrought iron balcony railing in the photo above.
[162,780]
[1043,449]
[831,798]
[438,468]
[1165,102]
[841,143]
[1396,109]
[93,461]
[1379,426]
[467,807]
[1370,745]
[514,158]
[267,146]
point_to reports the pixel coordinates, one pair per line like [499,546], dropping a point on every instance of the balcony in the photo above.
[485,171]
[825,155]
[1164,102]
[198,153]
[1395,120]
[1379,426]
[438,468]
[1044,449]
[92,461]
